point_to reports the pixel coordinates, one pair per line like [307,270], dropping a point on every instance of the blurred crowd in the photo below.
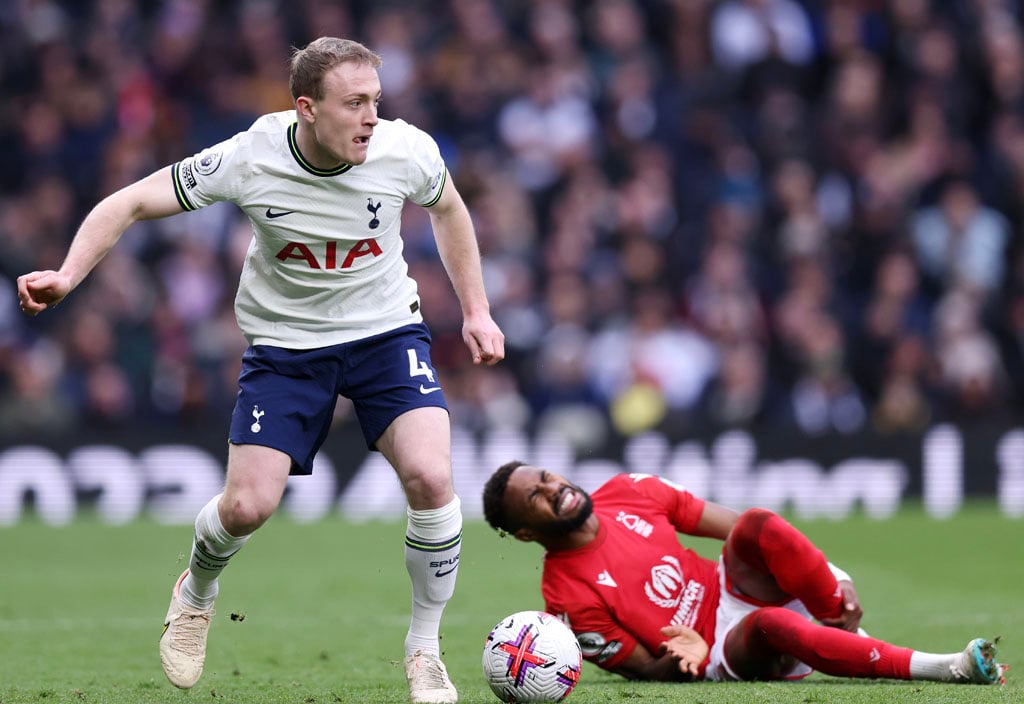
[696,214]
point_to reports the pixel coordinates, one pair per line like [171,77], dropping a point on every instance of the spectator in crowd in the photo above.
[973,375]
[824,398]
[740,394]
[960,243]
[746,32]
[656,356]
[1011,340]
[895,309]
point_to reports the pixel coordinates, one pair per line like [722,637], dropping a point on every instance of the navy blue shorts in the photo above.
[286,398]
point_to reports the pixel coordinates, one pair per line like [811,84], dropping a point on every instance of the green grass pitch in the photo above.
[312,614]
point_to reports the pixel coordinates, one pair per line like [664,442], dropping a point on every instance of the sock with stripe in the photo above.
[212,547]
[433,541]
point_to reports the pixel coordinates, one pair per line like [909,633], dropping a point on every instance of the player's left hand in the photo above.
[686,646]
[852,613]
[484,338]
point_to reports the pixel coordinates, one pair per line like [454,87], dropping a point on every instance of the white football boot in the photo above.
[977,664]
[428,680]
[183,641]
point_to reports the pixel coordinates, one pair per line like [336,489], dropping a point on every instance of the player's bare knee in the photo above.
[429,489]
[242,517]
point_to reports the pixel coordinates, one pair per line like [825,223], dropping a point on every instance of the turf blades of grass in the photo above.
[326,608]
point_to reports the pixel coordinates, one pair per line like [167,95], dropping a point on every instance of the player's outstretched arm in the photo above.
[716,521]
[456,243]
[151,197]
[679,661]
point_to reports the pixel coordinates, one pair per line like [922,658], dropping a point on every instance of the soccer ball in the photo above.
[531,656]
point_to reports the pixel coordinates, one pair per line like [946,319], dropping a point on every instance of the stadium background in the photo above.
[768,247]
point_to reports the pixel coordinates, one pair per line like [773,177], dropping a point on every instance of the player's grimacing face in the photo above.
[347,113]
[545,502]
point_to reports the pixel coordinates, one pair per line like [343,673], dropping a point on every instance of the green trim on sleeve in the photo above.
[179,189]
[440,190]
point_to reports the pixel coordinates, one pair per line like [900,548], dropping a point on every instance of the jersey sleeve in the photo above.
[683,508]
[214,174]
[602,640]
[427,172]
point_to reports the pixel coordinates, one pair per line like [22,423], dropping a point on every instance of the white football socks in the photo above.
[433,541]
[932,666]
[212,547]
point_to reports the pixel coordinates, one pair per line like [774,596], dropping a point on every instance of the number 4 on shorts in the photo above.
[418,368]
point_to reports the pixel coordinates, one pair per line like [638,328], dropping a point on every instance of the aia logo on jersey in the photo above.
[328,257]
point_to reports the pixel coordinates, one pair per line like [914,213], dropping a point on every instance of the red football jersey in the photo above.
[634,577]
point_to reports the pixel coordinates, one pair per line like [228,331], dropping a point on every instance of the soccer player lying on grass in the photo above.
[647,608]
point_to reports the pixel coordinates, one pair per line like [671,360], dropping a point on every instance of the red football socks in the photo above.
[773,631]
[771,545]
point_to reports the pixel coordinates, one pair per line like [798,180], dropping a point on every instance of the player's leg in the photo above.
[403,414]
[282,414]
[769,560]
[256,478]
[768,643]
[418,446]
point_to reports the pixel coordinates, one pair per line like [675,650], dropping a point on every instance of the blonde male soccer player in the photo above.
[328,308]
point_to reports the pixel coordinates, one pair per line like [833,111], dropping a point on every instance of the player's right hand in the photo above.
[484,338]
[40,290]
[687,647]
[849,618]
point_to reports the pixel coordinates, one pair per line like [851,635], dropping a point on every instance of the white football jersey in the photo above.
[325,264]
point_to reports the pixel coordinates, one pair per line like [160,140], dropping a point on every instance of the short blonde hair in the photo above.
[309,65]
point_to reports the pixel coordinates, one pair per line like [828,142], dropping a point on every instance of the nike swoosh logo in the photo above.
[281,213]
[439,573]
[425,391]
